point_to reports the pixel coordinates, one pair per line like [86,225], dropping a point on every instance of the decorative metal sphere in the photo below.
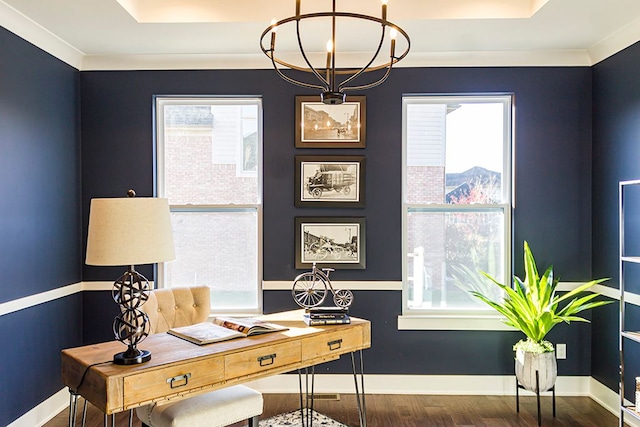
[131,290]
[131,326]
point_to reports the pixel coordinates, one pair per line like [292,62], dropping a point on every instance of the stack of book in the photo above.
[327,316]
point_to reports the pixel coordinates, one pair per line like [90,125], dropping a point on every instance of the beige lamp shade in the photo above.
[129,231]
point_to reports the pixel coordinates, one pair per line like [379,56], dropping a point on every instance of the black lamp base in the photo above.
[132,358]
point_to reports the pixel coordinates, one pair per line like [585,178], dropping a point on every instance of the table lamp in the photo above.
[123,232]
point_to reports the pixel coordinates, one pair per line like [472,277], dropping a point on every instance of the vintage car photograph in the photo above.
[330,181]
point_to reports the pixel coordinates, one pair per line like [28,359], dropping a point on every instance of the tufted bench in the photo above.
[168,308]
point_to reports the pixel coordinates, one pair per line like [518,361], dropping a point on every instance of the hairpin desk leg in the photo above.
[84,412]
[73,406]
[306,408]
[113,420]
[360,394]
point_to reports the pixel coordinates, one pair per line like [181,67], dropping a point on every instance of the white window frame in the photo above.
[159,102]
[458,319]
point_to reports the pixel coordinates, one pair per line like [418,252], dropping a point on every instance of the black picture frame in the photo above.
[321,125]
[330,181]
[331,242]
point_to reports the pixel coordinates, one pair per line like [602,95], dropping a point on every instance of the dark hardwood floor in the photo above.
[424,411]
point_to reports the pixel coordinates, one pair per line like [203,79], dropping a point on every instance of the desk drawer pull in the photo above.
[334,345]
[269,357]
[172,381]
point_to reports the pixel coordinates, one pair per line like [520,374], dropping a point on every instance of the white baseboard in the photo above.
[610,400]
[418,384]
[41,414]
[495,385]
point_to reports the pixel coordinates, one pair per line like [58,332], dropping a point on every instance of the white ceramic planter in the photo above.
[528,363]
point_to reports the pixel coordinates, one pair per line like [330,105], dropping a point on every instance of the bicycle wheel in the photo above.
[343,297]
[309,290]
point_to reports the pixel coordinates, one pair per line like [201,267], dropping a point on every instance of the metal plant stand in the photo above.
[553,394]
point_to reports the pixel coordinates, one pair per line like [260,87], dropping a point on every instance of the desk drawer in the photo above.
[262,359]
[172,380]
[337,342]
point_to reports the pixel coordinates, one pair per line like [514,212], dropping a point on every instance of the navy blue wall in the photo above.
[43,218]
[552,174]
[616,157]
[40,240]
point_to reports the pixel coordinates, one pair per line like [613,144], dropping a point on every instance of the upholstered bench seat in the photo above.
[170,308]
[214,409]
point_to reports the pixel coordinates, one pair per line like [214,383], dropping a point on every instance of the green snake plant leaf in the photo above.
[532,305]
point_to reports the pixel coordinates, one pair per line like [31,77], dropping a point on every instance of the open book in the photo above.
[224,328]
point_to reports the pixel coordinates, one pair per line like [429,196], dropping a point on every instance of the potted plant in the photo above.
[533,307]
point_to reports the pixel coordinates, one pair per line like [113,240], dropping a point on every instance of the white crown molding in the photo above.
[175,62]
[619,40]
[556,58]
[35,34]
[203,11]
[25,28]
[32,32]
[524,58]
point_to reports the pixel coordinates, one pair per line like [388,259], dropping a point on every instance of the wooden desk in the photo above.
[179,368]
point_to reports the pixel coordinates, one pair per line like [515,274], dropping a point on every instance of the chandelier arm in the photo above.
[293,81]
[363,69]
[339,72]
[275,62]
[304,56]
[373,84]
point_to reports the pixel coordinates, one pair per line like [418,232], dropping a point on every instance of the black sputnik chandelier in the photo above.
[333,81]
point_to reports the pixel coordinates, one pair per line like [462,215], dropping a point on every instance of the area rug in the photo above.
[293,419]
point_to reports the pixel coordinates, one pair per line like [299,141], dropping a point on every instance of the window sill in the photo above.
[465,321]
[452,322]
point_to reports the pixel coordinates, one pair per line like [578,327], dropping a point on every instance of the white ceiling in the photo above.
[150,34]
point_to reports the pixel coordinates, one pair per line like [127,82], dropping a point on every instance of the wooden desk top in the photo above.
[113,388]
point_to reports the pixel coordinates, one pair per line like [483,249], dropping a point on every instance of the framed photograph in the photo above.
[320,125]
[330,181]
[333,242]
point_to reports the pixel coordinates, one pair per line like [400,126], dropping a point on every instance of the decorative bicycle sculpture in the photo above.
[310,289]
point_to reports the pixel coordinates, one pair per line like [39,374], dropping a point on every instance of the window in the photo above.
[456,200]
[209,166]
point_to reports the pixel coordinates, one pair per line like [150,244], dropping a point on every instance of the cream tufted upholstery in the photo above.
[168,308]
